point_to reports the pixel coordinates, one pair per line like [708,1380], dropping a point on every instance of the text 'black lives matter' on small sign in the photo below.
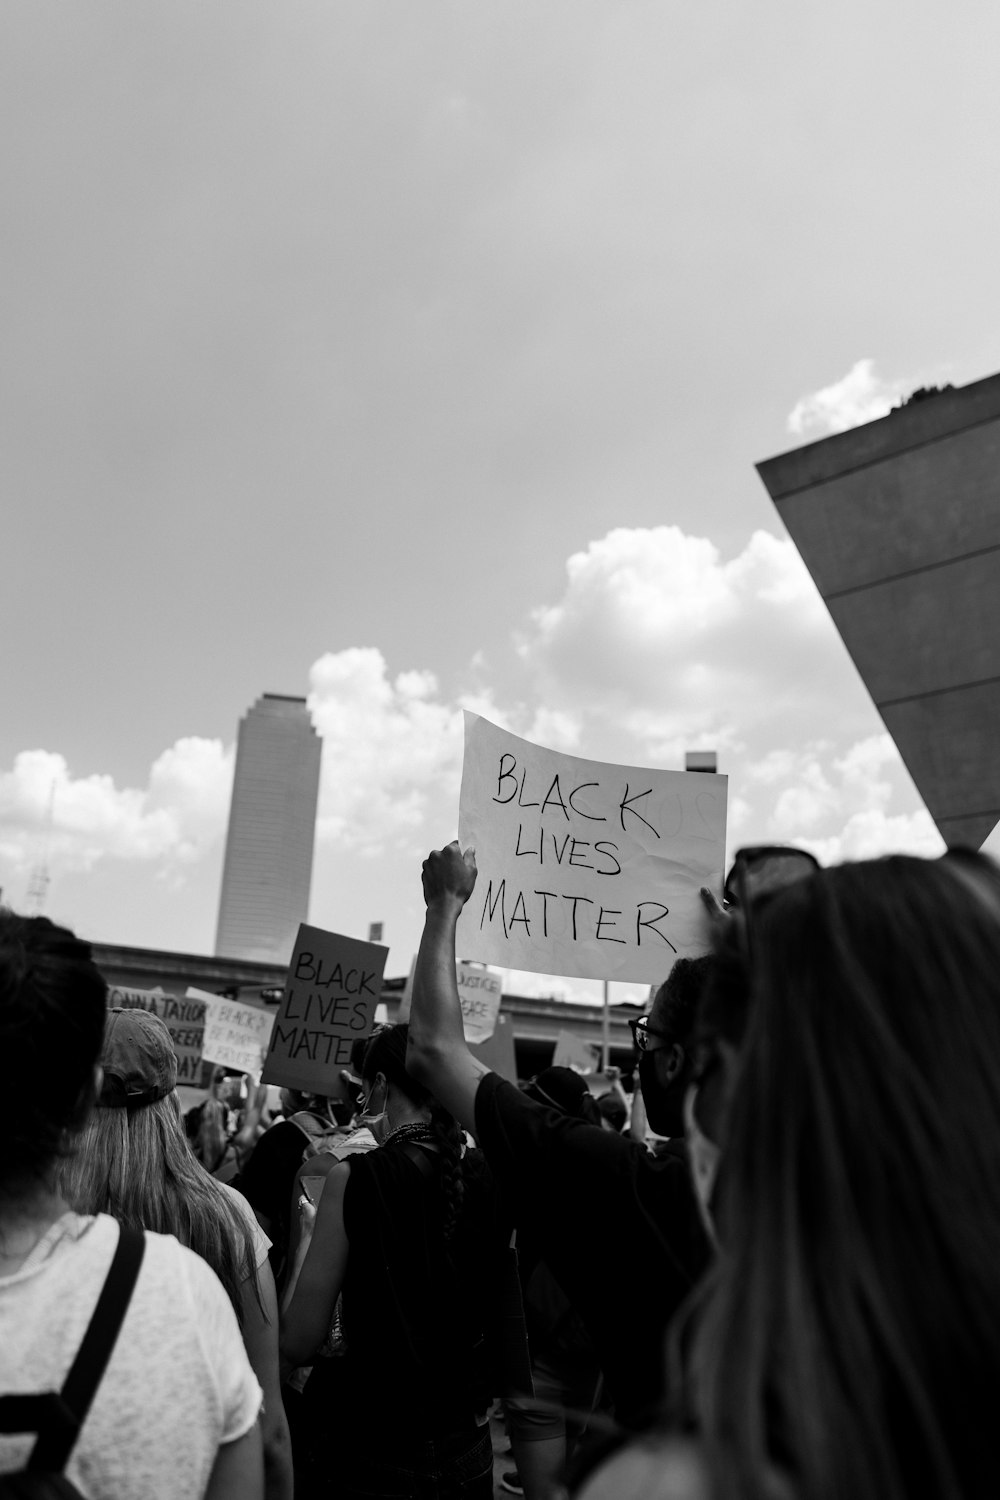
[333,987]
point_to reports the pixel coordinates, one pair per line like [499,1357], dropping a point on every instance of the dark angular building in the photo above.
[898,521]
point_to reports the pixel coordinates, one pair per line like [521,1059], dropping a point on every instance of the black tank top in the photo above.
[418,1311]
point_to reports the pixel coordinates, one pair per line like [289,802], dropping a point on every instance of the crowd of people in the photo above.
[775,1277]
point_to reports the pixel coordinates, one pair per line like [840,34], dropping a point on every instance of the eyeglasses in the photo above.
[644,1037]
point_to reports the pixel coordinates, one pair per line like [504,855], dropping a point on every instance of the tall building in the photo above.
[898,521]
[272,824]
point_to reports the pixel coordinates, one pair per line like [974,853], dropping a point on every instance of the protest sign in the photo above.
[572,1052]
[332,990]
[184,1019]
[236,1035]
[497,1052]
[479,996]
[585,869]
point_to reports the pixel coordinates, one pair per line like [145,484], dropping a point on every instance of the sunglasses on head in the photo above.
[763,868]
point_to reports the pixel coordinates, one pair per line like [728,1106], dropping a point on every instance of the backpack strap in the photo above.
[68,1410]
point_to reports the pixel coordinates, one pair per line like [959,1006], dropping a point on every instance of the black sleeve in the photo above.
[546,1163]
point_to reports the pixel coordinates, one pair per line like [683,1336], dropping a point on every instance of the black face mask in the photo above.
[663,1105]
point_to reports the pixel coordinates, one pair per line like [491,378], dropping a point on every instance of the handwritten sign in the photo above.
[497,1052]
[184,1019]
[585,869]
[332,990]
[479,996]
[236,1036]
[572,1052]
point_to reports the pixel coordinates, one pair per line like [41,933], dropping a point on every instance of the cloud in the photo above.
[70,822]
[388,745]
[840,805]
[658,645]
[860,396]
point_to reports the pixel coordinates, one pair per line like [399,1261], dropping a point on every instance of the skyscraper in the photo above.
[272,824]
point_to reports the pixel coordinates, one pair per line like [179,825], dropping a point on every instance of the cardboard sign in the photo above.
[333,987]
[236,1035]
[479,993]
[184,1019]
[585,869]
[497,1052]
[573,1053]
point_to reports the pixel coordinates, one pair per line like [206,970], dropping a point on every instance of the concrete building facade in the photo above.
[267,873]
[898,521]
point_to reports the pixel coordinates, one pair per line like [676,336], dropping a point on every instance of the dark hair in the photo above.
[385,1052]
[562,1089]
[52,1005]
[850,1330]
[679,995]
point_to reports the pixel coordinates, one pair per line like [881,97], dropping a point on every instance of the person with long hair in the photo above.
[408,1238]
[174,1416]
[845,1138]
[134,1162]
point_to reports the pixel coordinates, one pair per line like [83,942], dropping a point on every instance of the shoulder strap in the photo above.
[420,1158]
[55,1442]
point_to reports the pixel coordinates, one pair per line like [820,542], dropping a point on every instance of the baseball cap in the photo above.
[138,1060]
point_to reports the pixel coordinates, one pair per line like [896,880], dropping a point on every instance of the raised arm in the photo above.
[438,1054]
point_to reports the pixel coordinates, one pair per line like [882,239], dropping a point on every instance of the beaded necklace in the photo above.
[416,1130]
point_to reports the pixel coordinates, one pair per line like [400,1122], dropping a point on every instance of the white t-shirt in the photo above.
[261,1243]
[177,1385]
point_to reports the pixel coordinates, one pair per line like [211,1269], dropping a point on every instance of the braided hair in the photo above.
[385,1052]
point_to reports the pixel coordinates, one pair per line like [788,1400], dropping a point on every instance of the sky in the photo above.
[417,357]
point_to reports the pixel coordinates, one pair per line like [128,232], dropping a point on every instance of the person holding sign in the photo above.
[410,1236]
[173,1414]
[606,1216]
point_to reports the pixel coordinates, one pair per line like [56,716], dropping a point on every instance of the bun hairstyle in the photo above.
[385,1052]
[52,1005]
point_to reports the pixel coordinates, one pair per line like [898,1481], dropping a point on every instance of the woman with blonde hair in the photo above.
[135,1162]
[171,1413]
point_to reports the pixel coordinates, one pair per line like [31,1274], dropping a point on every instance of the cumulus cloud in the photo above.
[70,822]
[388,745]
[660,642]
[860,396]
[840,805]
